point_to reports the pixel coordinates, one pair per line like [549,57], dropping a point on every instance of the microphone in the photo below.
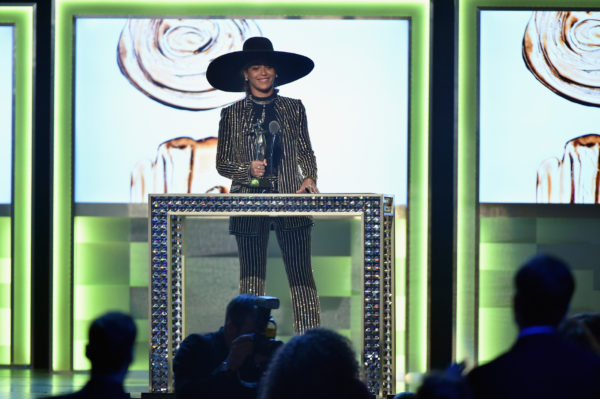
[274,127]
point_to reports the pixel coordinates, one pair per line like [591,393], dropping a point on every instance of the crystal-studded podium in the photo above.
[375,212]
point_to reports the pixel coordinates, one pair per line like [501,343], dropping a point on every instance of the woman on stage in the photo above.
[264,147]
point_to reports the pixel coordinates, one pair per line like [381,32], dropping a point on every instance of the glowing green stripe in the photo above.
[466,182]
[418,196]
[392,8]
[61,207]
[22,19]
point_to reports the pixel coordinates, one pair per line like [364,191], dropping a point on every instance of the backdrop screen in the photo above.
[6,111]
[539,96]
[146,119]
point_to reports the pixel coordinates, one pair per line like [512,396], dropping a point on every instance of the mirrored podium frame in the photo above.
[166,230]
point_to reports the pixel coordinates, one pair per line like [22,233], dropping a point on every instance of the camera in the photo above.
[264,340]
[266,328]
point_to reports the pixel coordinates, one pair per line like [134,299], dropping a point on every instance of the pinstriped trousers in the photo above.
[295,246]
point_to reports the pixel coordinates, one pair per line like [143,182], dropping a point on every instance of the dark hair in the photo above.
[544,287]
[240,308]
[443,385]
[318,364]
[111,340]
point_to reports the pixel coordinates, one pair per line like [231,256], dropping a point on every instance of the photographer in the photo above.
[228,363]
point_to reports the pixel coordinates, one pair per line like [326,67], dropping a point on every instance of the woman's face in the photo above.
[260,80]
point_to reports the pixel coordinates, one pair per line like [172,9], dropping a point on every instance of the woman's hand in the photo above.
[308,185]
[257,168]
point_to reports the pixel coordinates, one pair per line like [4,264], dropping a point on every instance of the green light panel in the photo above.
[19,242]
[507,242]
[416,10]
[110,273]
[400,295]
[475,319]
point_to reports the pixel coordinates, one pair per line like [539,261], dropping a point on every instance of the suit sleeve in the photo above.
[306,156]
[194,369]
[191,368]
[226,159]
[199,373]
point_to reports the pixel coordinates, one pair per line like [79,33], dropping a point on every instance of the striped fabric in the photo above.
[295,249]
[236,147]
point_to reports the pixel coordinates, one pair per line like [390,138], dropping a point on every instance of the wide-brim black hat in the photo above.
[225,72]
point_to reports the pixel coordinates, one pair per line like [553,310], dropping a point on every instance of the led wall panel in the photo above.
[111,154]
[120,152]
[519,126]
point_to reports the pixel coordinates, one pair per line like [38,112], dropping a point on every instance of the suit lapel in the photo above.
[281,116]
[247,116]
[248,137]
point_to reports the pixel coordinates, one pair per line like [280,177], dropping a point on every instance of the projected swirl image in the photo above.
[166,59]
[539,105]
[562,50]
[144,110]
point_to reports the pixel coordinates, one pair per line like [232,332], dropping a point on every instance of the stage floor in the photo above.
[23,383]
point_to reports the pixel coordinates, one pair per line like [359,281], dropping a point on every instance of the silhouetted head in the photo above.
[110,345]
[318,364]
[543,289]
[242,317]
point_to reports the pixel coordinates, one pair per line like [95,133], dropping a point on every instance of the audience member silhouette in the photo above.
[110,350]
[582,330]
[592,322]
[540,364]
[208,366]
[317,365]
[444,385]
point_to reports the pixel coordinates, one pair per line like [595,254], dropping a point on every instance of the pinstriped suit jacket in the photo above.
[236,150]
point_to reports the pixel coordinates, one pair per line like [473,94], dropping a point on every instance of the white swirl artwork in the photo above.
[562,50]
[166,59]
[575,178]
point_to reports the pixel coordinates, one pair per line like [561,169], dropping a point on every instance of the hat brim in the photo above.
[225,72]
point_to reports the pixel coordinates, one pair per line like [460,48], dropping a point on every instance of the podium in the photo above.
[167,215]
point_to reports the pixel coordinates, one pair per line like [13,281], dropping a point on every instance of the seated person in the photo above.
[227,363]
[110,350]
[317,365]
